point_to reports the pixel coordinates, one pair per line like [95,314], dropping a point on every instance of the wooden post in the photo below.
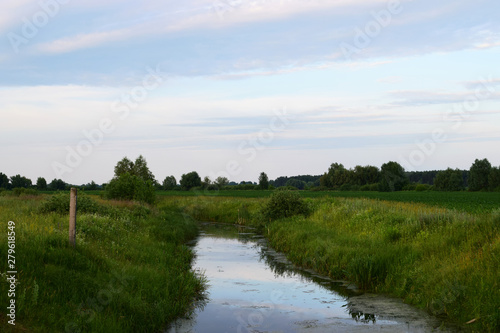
[72,217]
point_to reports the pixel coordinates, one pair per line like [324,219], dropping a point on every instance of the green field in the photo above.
[472,202]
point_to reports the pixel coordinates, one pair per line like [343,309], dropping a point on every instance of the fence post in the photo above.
[72,217]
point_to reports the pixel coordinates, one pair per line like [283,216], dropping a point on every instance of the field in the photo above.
[472,202]
[130,271]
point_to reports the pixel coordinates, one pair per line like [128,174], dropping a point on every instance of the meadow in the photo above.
[446,261]
[130,270]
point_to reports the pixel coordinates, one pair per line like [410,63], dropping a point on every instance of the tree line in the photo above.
[134,180]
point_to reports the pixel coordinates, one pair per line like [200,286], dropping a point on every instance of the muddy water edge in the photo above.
[252,288]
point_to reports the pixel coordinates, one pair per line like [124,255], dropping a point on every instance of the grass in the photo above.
[130,271]
[443,260]
[472,202]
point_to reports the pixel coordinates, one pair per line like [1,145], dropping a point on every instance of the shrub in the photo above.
[59,203]
[284,203]
[422,187]
[130,187]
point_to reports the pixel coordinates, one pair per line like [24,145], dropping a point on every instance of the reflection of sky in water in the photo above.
[245,295]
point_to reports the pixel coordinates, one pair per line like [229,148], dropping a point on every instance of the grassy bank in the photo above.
[130,271]
[445,261]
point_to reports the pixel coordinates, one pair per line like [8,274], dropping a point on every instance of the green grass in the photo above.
[130,271]
[472,202]
[446,261]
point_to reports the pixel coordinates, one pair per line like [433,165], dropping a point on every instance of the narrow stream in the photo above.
[252,288]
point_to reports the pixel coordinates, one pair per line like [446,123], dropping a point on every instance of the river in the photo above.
[252,288]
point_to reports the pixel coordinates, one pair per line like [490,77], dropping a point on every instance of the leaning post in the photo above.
[72,217]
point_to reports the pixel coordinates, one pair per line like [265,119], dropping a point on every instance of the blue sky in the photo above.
[232,87]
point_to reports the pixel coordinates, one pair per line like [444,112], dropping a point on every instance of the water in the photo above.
[255,289]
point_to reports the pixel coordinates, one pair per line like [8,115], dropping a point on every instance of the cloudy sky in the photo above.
[236,87]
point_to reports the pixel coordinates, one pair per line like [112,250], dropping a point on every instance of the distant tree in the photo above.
[41,183]
[20,181]
[449,180]
[296,183]
[131,187]
[190,180]
[4,181]
[169,183]
[221,182]
[206,182]
[57,184]
[92,186]
[141,170]
[263,181]
[138,168]
[494,179]
[124,166]
[478,175]
[393,177]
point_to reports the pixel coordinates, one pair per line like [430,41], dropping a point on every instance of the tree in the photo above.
[138,168]
[296,183]
[221,182]
[57,184]
[4,181]
[169,183]
[124,166]
[141,170]
[20,181]
[478,175]
[263,181]
[132,181]
[494,179]
[393,177]
[41,183]
[449,180]
[131,187]
[190,180]
[206,182]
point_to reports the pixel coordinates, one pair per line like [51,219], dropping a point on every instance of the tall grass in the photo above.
[130,271]
[445,261]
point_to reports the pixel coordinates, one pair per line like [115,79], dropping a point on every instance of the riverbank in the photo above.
[443,261]
[130,271]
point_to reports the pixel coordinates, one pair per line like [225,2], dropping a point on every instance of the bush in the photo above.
[130,187]
[422,187]
[59,203]
[285,203]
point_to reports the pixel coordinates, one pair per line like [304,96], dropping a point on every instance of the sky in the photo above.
[233,88]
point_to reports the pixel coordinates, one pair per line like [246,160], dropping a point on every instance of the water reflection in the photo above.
[252,288]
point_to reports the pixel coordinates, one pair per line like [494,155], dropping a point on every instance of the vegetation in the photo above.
[190,180]
[132,181]
[478,175]
[283,204]
[445,261]
[263,181]
[449,180]
[130,271]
